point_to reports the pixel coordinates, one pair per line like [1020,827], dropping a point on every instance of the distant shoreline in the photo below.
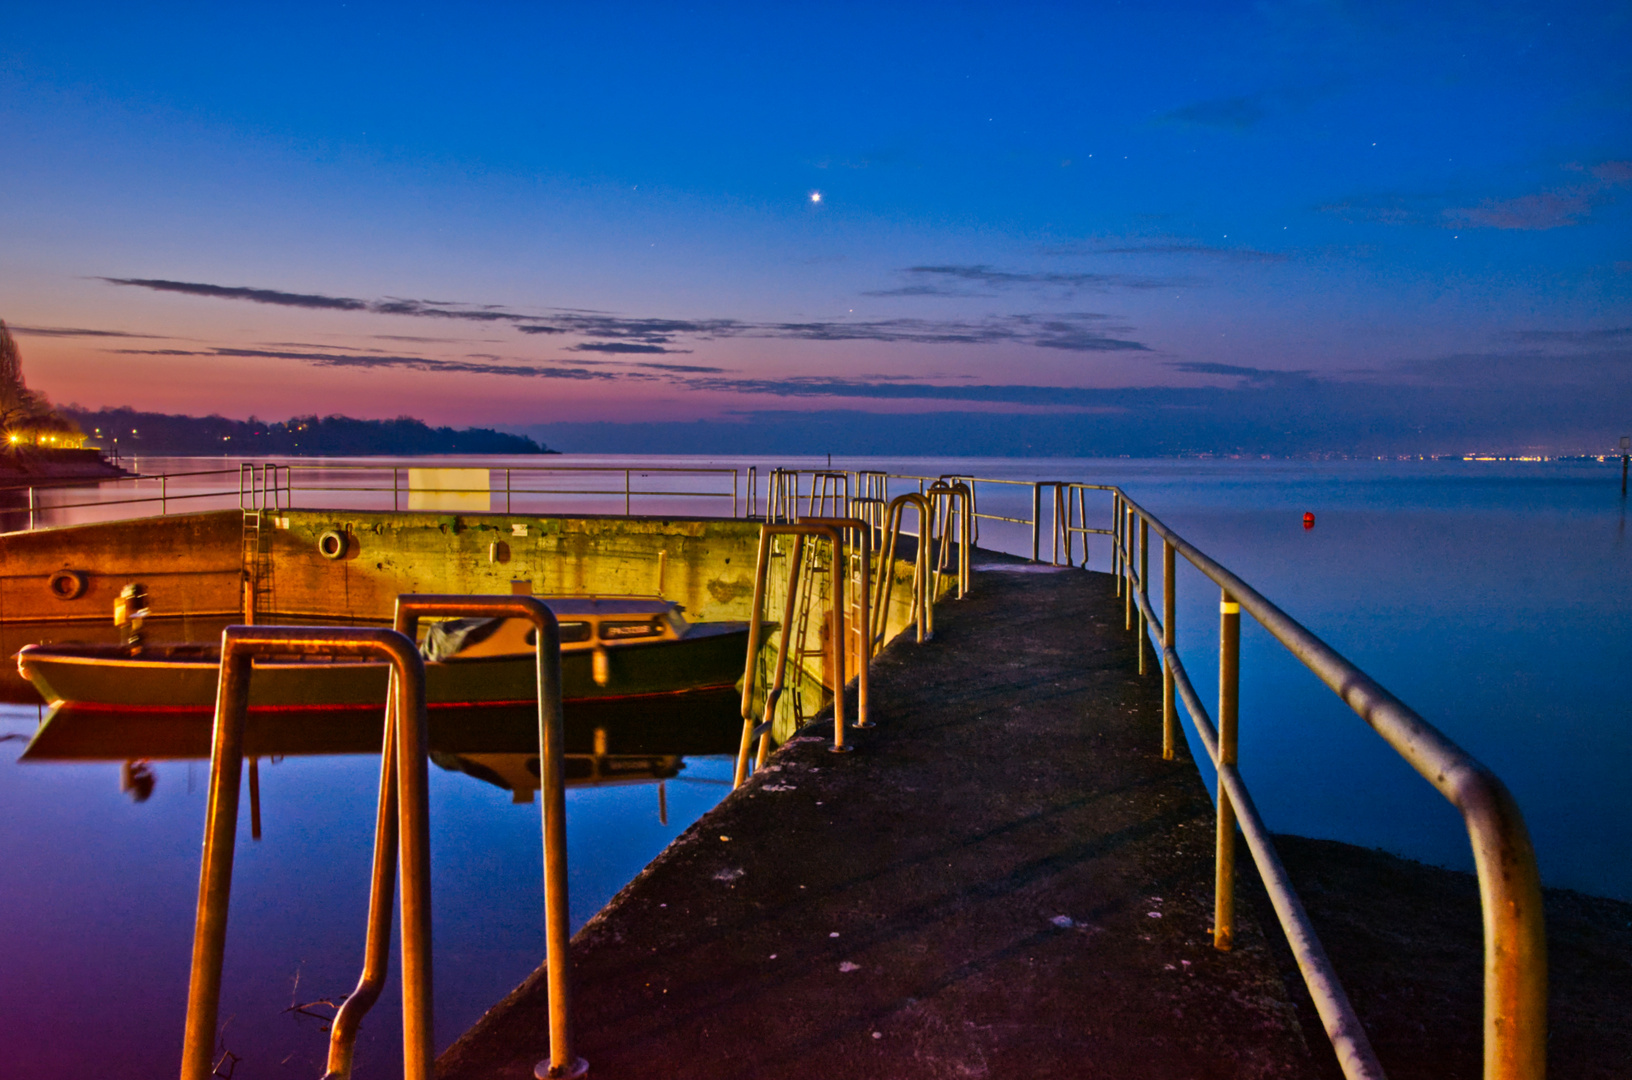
[128,433]
[54,465]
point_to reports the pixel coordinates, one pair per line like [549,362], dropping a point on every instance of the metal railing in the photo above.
[240,645]
[402,830]
[833,531]
[1061,518]
[337,485]
[923,587]
[1515,1039]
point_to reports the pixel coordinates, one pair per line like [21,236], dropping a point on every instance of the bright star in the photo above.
[815,196]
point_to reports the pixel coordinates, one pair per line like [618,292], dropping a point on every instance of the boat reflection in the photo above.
[618,742]
[697,722]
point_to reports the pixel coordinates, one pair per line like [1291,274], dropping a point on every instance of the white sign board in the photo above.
[463,490]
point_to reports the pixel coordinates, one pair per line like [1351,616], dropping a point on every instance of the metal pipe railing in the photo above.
[271,485]
[949,501]
[923,591]
[410,608]
[834,533]
[240,645]
[863,544]
[1504,860]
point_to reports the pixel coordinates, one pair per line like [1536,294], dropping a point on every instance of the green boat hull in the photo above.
[184,678]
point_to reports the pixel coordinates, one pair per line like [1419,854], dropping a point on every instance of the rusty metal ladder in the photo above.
[259,497]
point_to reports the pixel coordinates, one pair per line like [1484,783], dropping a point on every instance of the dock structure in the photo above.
[1020,871]
[1006,880]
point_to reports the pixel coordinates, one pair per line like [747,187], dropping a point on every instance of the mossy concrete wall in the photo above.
[705,564]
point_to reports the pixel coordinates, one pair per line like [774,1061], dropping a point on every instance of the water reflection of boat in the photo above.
[700,722]
[611,648]
[518,773]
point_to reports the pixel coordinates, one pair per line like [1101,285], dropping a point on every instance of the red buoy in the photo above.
[1308,521]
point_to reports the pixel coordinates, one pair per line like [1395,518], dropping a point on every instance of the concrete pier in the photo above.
[1005,879]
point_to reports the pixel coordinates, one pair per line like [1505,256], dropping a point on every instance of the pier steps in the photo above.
[1005,879]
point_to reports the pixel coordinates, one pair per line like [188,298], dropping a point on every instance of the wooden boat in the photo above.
[612,648]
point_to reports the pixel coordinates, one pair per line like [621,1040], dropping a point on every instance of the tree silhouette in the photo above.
[13,391]
[21,407]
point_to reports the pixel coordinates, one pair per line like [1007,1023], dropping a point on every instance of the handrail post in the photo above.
[552,784]
[239,646]
[1170,719]
[1061,527]
[507,491]
[1144,588]
[626,493]
[215,875]
[1229,699]
[164,499]
[1116,540]
[31,508]
[1036,521]
[1128,542]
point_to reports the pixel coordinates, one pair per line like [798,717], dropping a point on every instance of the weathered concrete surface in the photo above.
[191,564]
[1004,880]
[1406,941]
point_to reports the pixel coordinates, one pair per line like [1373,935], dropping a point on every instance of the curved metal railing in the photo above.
[1515,1025]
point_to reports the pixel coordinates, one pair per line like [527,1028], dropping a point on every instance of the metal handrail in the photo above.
[949,500]
[263,481]
[410,608]
[240,645]
[863,533]
[1509,883]
[833,532]
[923,592]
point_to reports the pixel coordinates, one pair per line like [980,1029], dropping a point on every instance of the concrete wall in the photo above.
[707,565]
[189,562]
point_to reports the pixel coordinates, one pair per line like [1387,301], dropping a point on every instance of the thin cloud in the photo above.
[1250,376]
[954,280]
[810,387]
[74,331]
[375,360]
[693,369]
[623,347]
[1198,250]
[1571,337]
[239,292]
[1542,210]
[1557,207]
[1079,332]
[1231,113]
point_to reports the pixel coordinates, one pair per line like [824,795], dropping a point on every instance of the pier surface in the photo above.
[1005,879]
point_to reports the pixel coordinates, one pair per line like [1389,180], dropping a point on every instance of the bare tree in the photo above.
[14,393]
[21,407]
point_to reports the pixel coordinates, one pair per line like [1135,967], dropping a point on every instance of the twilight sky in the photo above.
[1276,226]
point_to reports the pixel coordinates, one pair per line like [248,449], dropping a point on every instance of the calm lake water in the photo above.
[1494,598]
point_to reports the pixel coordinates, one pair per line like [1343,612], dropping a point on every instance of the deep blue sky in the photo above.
[1327,226]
